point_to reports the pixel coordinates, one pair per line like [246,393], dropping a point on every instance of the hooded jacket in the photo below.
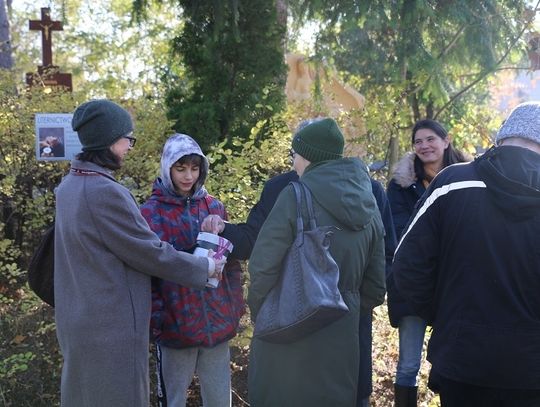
[184,317]
[320,369]
[244,235]
[469,264]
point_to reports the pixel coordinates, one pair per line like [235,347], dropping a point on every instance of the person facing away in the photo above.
[322,368]
[244,235]
[105,254]
[433,151]
[191,326]
[469,265]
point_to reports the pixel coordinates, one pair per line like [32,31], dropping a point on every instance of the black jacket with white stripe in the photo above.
[469,263]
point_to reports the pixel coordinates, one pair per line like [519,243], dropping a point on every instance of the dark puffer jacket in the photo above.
[403,192]
[469,265]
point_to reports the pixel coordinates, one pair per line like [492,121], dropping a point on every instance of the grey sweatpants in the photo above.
[212,365]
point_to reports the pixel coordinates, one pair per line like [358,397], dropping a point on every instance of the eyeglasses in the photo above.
[291,154]
[132,140]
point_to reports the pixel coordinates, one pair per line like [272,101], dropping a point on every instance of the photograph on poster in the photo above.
[51,142]
[55,139]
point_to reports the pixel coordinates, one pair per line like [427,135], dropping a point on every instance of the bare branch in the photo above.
[452,43]
[441,55]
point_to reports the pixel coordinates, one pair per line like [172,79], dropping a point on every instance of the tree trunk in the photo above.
[393,154]
[282,7]
[281,21]
[281,18]
[6,59]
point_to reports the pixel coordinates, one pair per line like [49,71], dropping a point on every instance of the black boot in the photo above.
[413,391]
[404,396]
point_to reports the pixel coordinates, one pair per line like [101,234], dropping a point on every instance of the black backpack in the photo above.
[41,268]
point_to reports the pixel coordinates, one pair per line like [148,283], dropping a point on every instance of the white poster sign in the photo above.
[55,139]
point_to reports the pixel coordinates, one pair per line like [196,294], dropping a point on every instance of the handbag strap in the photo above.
[299,221]
[309,205]
[298,188]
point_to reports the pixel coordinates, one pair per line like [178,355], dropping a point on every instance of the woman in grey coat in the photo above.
[105,254]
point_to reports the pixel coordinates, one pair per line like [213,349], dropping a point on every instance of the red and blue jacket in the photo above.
[183,317]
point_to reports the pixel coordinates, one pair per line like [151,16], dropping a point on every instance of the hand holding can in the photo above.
[220,247]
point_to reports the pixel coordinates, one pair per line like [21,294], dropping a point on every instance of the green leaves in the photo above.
[237,175]
[414,59]
[14,364]
[234,79]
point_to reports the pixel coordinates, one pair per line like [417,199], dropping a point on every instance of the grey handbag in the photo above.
[306,297]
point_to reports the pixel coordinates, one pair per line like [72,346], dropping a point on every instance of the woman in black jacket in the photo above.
[413,173]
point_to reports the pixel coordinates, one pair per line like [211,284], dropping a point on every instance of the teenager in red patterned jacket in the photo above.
[191,327]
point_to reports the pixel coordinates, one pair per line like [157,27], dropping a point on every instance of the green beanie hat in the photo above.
[319,141]
[99,123]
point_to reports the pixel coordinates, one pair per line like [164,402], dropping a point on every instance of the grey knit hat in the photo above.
[319,141]
[99,123]
[524,122]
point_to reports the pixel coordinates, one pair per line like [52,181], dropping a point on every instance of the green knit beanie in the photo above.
[99,123]
[319,141]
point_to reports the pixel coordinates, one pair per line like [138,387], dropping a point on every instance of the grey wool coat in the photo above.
[105,254]
[322,368]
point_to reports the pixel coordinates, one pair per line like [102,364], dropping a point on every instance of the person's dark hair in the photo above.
[104,158]
[194,159]
[451,155]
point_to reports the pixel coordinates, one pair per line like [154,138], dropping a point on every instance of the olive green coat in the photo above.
[321,369]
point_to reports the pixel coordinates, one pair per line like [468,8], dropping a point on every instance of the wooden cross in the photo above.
[46,26]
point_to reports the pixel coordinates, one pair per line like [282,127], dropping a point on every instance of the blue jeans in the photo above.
[411,340]
[363,402]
